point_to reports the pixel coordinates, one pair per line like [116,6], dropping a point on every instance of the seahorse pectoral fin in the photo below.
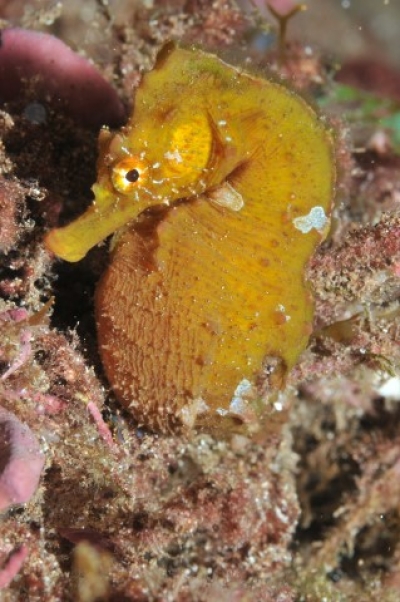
[105,215]
[225,195]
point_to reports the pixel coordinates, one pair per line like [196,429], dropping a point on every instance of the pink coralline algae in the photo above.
[54,71]
[21,461]
[12,565]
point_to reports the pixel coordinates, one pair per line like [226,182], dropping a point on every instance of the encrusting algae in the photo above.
[219,188]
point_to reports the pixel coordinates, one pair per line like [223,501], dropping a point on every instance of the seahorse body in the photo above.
[225,180]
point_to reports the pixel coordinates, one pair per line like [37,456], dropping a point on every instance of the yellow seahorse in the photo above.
[219,188]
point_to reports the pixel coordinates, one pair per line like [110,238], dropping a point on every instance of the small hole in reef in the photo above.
[132,175]
[140,520]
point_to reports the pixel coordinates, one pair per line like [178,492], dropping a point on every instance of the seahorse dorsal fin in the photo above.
[225,195]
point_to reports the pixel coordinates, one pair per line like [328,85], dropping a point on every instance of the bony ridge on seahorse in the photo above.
[219,188]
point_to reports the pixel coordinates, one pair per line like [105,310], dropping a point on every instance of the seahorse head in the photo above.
[167,151]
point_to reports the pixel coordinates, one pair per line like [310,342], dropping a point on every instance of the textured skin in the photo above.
[203,297]
[195,314]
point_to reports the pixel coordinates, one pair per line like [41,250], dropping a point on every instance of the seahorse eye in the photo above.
[132,176]
[128,173]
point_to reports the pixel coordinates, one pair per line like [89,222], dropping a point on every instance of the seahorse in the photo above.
[218,190]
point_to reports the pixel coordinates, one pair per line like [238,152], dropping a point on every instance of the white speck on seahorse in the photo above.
[315,219]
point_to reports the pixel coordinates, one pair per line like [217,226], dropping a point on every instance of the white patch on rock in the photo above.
[390,388]
[191,411]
